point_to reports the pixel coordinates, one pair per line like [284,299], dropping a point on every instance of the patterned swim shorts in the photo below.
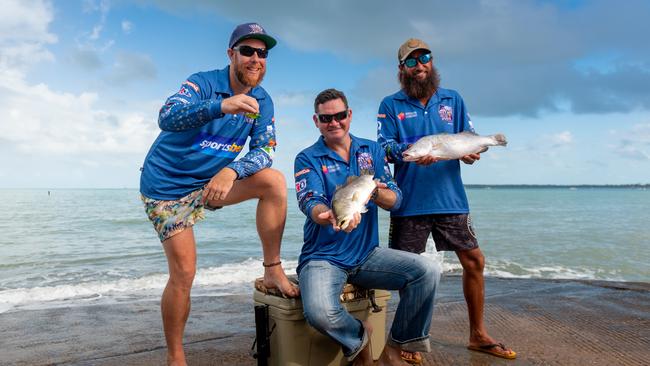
[171,217]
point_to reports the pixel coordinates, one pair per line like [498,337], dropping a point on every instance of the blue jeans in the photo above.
[415,277]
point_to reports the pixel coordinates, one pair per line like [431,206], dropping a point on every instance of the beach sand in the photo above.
[547,322]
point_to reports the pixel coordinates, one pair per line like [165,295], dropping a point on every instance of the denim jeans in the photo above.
[415,277]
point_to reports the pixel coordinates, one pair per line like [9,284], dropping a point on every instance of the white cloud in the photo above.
[24,35]
[130,67]
[127,26]
[561,139]
[634,143]
[292,100]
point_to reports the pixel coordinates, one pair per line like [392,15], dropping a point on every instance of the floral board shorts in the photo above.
[171,217]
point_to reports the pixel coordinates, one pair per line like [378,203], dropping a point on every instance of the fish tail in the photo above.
[500,139]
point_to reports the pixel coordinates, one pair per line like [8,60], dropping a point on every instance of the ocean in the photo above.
[89,246]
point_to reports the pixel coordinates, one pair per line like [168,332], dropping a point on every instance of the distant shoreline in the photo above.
[470,186]
[562,186]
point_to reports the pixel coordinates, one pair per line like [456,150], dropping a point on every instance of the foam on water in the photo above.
[231,278]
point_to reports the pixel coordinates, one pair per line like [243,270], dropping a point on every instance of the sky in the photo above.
[568,82]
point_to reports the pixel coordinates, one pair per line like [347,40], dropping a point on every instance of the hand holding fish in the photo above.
[471,158]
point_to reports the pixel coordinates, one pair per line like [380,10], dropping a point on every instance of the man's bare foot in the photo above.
[364,358]
[391,356]
[274,277]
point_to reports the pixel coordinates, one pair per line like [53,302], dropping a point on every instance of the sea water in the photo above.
[70,247]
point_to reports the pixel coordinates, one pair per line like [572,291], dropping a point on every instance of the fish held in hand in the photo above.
[452,146]
[351,198]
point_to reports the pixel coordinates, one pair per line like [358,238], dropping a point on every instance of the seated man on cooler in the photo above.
[331,257]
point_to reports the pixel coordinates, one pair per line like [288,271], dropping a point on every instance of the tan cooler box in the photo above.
[292,342]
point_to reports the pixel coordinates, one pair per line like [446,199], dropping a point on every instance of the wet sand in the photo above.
[548,322]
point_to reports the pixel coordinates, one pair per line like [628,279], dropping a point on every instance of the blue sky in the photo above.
[567,82]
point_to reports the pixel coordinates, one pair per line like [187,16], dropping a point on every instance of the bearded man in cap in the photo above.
[191,167]
[434,201]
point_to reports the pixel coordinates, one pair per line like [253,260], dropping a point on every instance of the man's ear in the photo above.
[315,118]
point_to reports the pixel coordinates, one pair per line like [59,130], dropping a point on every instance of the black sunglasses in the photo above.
[327,118]
[412,61]
[248,51]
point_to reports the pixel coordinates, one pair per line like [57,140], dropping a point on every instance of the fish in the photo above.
[351,198]
[452,146]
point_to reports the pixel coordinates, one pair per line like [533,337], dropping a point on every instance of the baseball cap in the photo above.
[251,30]
[409,46]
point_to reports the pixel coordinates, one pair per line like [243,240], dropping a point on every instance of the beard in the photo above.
[416,88]
[246,79]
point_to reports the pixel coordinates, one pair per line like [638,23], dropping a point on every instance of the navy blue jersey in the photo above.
[318,171]
[401,120]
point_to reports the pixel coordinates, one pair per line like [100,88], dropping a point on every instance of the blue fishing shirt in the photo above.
[318,171]
[401,121]
[198,140]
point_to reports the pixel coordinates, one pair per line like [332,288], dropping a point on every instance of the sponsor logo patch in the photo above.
[191,85]
[410,114]
[301,184]
[304,171]
[364,160]
[400,116]
[184,92]
[330,168]
[381,115]
[446,113]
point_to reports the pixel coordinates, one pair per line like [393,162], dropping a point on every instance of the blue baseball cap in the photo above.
[251,30]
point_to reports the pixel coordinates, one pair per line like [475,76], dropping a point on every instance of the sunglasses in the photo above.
[327,118]
[248,51]
[412,61]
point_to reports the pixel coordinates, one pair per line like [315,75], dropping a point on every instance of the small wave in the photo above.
[229,278]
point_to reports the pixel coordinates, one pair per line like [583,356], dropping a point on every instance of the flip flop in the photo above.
[493,349]
[414,358]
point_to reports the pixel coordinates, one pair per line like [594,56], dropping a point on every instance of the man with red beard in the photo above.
[191,166]
[434,201]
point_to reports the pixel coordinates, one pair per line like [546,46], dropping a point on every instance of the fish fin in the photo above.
[364,210]
[501,139]
[355,196]
[482,150]
[470,133]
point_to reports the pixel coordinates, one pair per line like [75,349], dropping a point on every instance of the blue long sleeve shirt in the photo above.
[198,140]
[318,171]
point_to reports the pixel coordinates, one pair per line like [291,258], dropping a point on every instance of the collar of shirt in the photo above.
[223,86]
[436,98]
[323,150]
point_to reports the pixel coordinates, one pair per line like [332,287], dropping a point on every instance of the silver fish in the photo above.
[452,146]
[351,198]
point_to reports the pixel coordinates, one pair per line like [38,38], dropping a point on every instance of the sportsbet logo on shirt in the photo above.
[218,145]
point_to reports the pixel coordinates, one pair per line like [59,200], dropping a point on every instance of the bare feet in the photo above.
[274,277]
[391,356]
[364,358]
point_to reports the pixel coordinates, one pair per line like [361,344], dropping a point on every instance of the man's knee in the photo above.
[271,181]
[320,315]
[472,261]
[182,276]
